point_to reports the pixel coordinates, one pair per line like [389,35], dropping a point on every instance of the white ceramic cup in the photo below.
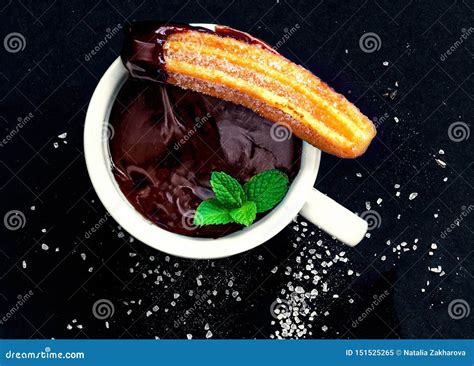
[301,197]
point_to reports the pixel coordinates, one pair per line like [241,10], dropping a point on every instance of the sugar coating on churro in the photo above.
[246,71]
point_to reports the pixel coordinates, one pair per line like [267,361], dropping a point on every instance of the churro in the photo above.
[239,68]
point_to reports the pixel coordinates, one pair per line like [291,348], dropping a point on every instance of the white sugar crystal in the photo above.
[434,246]
[412,196]
[23,264]
[437,269]
[189,336]
[441,152]
[63,135]
[441,163]
[396,186]
[385,63]
[396,119]
[44,246]
[208,334]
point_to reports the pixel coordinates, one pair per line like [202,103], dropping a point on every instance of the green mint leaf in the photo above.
[266,189]
[211,212]
[245,214]
[228,190]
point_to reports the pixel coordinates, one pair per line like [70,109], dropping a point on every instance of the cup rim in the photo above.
[98,162]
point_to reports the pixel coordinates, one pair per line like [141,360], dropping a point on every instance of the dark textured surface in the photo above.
[53,78]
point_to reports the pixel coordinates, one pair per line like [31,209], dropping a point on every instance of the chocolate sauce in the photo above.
[142,51]
[167,141]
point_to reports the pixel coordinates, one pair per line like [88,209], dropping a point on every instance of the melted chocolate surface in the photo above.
[142,51]
[167,141]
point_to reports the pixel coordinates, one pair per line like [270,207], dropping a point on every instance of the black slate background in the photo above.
[52,80]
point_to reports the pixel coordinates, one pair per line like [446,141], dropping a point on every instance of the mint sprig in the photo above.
[234,203]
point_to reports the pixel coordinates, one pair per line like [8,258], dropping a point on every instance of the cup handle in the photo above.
[334,218]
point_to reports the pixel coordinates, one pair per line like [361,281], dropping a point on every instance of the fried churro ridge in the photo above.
[251,74]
